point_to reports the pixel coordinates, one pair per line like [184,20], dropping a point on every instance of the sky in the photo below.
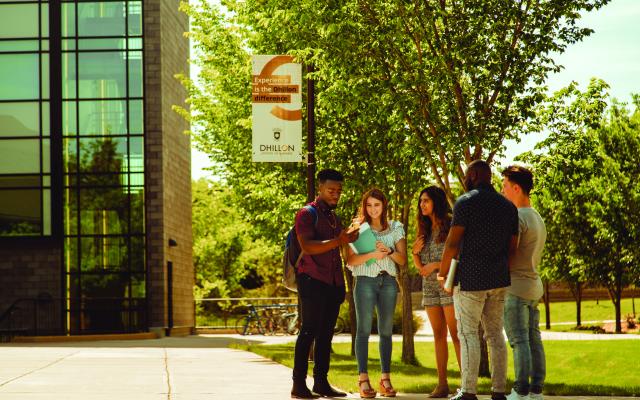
[611,53]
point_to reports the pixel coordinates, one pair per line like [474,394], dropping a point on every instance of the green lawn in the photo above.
[602,368]
[603,310]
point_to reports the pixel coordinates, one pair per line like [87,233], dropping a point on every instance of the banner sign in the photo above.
[276,99]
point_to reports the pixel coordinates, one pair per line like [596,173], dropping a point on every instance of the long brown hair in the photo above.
[440,210]
[378,195]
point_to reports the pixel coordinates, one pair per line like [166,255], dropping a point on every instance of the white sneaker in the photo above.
[515,396]
[535,396]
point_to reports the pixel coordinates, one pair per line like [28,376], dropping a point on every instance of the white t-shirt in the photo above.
[525,281]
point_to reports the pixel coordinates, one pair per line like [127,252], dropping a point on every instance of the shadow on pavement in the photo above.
[208,342]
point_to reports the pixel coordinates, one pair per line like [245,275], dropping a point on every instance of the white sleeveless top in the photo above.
[390,236]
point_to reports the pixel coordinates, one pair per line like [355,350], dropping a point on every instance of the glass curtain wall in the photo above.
[25,166]
[103,165]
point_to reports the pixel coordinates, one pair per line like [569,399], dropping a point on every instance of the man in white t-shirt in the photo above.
[521,314]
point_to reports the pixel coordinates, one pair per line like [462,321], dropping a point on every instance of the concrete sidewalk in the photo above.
[191,368]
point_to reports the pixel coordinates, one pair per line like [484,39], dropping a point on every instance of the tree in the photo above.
[457,78]
[445,83]
[225,252]
[586,191]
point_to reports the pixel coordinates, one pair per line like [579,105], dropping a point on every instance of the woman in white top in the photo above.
[376,287]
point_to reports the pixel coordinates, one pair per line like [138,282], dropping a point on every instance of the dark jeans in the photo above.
[320,304]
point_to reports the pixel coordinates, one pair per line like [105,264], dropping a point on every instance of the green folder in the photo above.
[366,242]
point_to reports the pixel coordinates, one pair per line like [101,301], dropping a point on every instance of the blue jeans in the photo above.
[521,322]
[380,292]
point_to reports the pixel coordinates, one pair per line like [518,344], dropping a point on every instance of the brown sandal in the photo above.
[368,393]
[387,391]
[439,392]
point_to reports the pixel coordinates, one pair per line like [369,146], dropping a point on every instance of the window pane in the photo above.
[101,19]
[18,45]
[135,74]
[20,156]
[136,181]
[44,17]
[68,19]
[102,254]
[103,211]
[46,181]
[112,286]
[46,212]
[19,181]
[103,155]
[70,212]
[135,17]
[68,44]
[101,44]
[138,289]
[46,125]
[136,117]
[19,119]
[102,117]
[46,156]
[69,76]
[137,255]
[19,212]
[134,43]
[102,75]
[70,155]
[137,211]
[69,118]
[45,75]
[19,76]
[71,254]
[18,20]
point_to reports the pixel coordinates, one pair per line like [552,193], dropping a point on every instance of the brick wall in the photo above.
[29,268]
[168,164]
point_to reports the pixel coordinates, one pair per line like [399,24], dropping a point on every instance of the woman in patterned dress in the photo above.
[376,287]
[433,226]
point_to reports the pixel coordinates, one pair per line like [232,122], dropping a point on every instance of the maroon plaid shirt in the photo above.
[325,267]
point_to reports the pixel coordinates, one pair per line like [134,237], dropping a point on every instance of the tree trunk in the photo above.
[408,346]
[484,355]
[578,303]
[547,312]
[618,295]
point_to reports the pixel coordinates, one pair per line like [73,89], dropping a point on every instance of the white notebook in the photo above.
[448,284]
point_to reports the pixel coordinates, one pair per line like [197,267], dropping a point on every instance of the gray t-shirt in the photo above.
[525,281]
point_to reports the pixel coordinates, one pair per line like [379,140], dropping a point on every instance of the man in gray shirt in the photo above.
[521,314]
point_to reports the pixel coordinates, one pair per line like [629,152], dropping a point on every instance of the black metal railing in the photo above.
[30,317]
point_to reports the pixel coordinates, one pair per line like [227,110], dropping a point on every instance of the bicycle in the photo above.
[250,324]
[292,327]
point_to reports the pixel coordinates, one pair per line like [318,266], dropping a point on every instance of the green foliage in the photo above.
[441,83]
[587,189]
[225,248]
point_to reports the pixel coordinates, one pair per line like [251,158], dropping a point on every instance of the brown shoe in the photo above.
[440,392]
[367,392]
[387,391]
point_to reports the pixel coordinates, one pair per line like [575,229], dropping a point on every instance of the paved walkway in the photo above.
[192,368]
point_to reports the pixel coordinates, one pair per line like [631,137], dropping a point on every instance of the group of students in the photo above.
[498,241]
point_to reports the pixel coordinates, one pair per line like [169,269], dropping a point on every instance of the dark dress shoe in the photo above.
[324,389]
[301,391]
